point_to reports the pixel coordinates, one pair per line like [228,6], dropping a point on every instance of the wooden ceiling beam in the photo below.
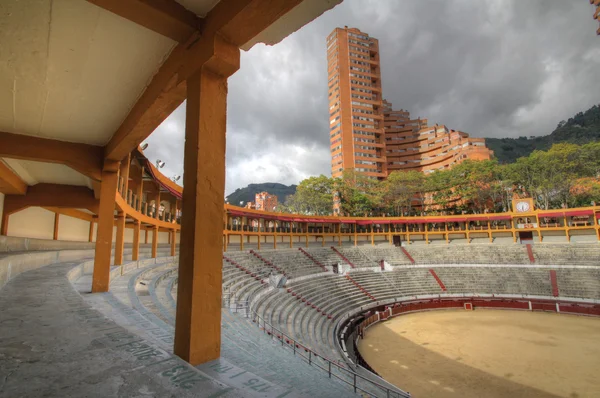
[229,25]
[10,182]
[86,159]
[53,195]
[82,215]
[165,17]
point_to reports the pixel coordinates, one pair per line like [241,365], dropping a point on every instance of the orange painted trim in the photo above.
[132,213]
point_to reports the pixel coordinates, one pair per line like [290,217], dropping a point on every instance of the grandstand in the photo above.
[114,281]
[312,316]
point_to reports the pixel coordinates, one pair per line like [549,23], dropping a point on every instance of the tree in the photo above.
[400,190]
[359,195]
[314,195]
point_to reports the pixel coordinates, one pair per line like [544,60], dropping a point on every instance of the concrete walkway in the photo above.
[53,344]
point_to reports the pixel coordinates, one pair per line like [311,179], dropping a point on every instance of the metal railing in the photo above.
[333,368]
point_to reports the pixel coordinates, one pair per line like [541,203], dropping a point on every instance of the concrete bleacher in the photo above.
[567,254]
[142,301]
[470,254]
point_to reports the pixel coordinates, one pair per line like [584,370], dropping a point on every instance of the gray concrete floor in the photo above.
[53,344]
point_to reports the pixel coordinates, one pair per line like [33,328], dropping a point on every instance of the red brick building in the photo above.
[263,201]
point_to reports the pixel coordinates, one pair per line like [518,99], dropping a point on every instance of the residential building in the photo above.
[264,201]
[355,104]
[411,144]
[366,134]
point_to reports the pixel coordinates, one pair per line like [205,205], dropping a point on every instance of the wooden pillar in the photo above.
[154,241]
[56,220]
[108,190]
[120,239]
[135,251]
[173,234]
[157,204]
[146,236]
[124,173]
[372,235]
[198,317]
[139,188]
[4,226]
[91,233]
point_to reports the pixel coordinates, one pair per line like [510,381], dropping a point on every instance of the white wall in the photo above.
[128,235]
[163,237]
[74,229]
[33,222]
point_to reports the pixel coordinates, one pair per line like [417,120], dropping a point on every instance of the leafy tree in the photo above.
[359,195]
[401,189]
[313,195]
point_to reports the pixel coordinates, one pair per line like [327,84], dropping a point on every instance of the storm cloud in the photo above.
[495,68]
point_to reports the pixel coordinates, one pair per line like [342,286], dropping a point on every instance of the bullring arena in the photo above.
[117,282]
[282,337]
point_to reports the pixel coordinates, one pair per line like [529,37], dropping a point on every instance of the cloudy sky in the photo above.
[494,68]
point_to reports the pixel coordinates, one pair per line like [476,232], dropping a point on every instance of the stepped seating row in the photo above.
[238,281]
[325,255]
[152,292]
[398,283]
[578,282]
[566,254]
[293,262]
[357,257]
[470,254]
[307,309]
[498,280]
[392,255]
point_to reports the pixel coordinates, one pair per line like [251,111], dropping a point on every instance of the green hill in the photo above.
[247,194]
[582,128]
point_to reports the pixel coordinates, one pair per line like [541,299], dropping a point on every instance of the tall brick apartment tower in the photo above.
[355,104]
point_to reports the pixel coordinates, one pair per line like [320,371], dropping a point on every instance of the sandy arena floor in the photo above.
[487,353]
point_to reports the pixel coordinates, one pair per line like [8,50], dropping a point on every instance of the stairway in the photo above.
[407,254]
[554,281]
[343,257]
[437,279]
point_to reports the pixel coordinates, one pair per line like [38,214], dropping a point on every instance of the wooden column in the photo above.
[198,318]
[157,205]
[154,241]
[124,172]
[56,220]
[4,226]
[139,188]
[108,190]
[135,251]
[120,239]
[173,239]
[91,236]
[146,236]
